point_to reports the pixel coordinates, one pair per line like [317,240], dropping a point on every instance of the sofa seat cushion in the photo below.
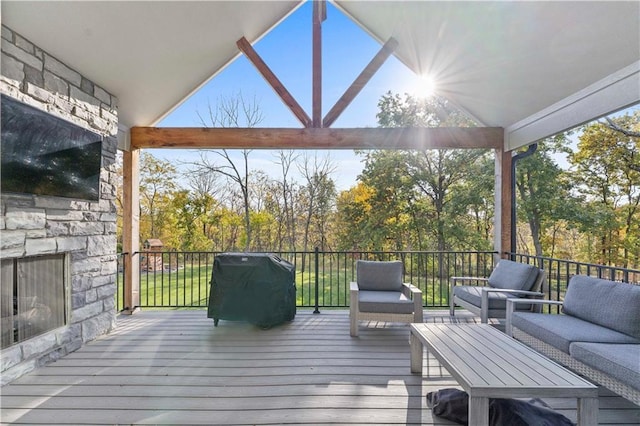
[513,275]
[473,295]
[611,304]
[388,302]
[560,331]
[616,360]
[379,275]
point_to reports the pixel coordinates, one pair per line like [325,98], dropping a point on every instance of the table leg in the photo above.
[587,411]
[416,353]
[478,411]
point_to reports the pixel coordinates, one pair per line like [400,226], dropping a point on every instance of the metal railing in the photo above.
[560,271]
[121,273]
[182,279]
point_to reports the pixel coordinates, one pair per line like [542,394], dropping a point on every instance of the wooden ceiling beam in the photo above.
[349,95]
[318,138]
[246,48]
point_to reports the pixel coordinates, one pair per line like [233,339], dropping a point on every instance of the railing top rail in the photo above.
[573,262]
[330,252]
[182,278]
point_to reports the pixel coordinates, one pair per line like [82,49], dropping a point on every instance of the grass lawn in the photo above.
[189,286]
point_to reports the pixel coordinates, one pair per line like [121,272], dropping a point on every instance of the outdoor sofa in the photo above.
[597,334]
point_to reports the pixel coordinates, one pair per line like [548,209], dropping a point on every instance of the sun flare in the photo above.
[424,87]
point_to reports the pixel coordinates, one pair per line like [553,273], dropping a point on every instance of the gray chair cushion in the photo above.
[619,361]
[473,295]
[381,276]
[513,275]
[561,330]
[607,303]
[388,302]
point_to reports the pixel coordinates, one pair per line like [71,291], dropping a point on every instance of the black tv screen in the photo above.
[46,155]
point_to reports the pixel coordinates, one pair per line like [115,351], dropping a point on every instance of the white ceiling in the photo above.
[150,54]
[530,67]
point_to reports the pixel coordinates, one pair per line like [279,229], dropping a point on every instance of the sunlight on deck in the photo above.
[175,367]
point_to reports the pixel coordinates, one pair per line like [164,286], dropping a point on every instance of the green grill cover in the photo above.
[254,287]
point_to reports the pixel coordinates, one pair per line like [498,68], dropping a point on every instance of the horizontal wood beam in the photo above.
[246,48]
[318,138]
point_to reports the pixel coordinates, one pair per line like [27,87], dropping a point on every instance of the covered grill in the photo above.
[254,287]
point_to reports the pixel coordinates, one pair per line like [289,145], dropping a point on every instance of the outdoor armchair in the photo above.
[508,279]
[378,294]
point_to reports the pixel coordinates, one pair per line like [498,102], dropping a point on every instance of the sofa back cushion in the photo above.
[513,275]
[607,303]
[380,276]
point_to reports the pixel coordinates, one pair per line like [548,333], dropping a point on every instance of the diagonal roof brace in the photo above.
[319,15]
[372,67]
[246,48]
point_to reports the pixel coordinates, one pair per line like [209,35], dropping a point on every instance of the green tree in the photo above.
[607,171]
[433,175]
[473,205]
[544,194]
[390,196]
[187,214]
[395,110]
[437,174]
[157,183]
[205,190]
[352,217]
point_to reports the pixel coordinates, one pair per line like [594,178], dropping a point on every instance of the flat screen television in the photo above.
[46,155]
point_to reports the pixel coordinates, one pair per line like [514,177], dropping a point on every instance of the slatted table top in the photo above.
[487,362]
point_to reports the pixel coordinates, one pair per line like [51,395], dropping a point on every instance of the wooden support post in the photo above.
[131,229]
[319,15]
[502,214]
[246,48]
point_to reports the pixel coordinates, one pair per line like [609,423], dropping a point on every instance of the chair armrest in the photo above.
[354,308]
[411,290]
[511,291]
[415,294]
[484,299]
[480,279]
[353,297]
[533,302]
[452,284]
[508,329]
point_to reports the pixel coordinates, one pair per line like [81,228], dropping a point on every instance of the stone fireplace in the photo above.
[58,255]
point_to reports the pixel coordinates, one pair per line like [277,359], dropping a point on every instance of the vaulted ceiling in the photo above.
[533,68]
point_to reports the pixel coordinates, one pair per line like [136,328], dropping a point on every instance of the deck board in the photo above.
[175,367]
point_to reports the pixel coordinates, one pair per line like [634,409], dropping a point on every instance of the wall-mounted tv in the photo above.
[46,155]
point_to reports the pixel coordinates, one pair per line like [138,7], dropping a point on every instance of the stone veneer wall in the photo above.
[35,225]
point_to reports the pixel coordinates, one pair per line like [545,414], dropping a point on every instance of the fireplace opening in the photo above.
[34,297]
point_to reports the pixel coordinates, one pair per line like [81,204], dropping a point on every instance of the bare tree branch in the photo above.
[631,162]
[613,125]
[232,111]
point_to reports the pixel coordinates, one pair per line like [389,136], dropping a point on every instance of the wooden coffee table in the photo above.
[489,364]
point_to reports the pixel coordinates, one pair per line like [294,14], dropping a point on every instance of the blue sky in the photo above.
[347,49]
[286,49]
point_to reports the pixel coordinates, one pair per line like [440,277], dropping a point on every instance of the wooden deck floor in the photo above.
[174,367]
